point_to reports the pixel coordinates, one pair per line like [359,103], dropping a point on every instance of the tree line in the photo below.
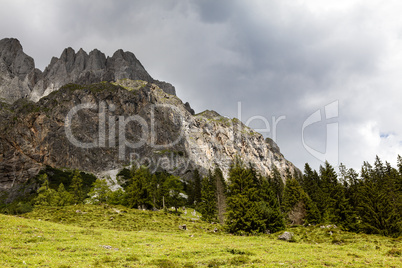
[369,202]
[247,202]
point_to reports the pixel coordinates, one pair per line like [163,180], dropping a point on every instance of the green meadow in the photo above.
[112,236]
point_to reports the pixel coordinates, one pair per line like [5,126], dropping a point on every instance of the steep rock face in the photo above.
[17,71]
[104,127]
[69,117]
[20,79]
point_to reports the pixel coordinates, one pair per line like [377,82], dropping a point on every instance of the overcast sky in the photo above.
[281,58]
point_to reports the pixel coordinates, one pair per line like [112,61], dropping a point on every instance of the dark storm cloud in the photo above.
[212,11]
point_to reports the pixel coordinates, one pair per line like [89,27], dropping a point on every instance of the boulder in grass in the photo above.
[287,236]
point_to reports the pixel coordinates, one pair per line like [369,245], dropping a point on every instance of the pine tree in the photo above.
[244,210]
[293,202]
[330,192]
[310,183]
[277,183]
[45,195]
[117,197]
[189,189]
[62,197]
[175,197]
[197,186]
[160,192]
[270,208]
[297,204]
[220,194]
[76,187]
[138,189]
[380,200]
[208,206]
[100,191]
[399,161]
[346,206]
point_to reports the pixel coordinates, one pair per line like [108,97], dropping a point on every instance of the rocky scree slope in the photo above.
[20,79]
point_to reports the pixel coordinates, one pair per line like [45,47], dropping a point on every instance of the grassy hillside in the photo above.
[97,236]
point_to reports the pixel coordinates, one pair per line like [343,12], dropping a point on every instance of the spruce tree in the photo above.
[380,201]
[277,184]
[194,189]
[197,186]
[399,161]
[138,189]
[45,195]
[270,209]
[244,211]
[220,194]
[62,197]
[330,192]
[208,206]
[100,191]
[311,185]
[76,187]
[293,202]
[175,196]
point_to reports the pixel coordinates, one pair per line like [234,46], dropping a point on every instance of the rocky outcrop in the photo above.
[17,71]
[104,127]
[19,78]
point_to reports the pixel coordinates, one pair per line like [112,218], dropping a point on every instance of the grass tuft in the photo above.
[395,252]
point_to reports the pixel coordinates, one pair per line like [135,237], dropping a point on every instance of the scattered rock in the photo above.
[287,236]
[328,226]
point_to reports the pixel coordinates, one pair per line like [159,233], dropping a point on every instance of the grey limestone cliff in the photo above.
[17,71]
[20,79]
[158,131]
[100,114]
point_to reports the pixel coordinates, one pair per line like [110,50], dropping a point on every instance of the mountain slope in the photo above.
[105,126]
[121,124]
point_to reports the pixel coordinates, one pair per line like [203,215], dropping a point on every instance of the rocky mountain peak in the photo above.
[9,49]
[14,59]
[17,71]
[19,78]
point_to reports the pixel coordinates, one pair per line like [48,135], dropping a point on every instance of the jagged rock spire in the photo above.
[19,78]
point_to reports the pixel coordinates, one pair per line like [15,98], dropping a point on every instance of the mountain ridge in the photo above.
[20,79]
[102,127]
